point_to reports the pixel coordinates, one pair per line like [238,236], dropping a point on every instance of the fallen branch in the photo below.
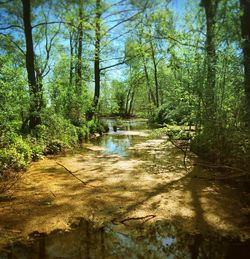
[70,172]
[146,218]
[4,188]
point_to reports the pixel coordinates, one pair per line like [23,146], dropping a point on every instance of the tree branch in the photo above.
[10,27]
[14,43]
[54,22]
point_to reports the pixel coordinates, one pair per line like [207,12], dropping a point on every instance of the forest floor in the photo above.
[114,188]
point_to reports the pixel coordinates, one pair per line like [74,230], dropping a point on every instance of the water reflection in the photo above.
[160,240]
[118,142]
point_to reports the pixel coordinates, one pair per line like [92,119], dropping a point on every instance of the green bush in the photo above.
[37,152]
[97,126]
[92,126]
[54,147]
[15,153]
[55,127]
[228,146]
[171,114]
[82,132]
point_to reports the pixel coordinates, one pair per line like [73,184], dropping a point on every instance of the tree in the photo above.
[245,31]
[97,53]
[34,84]
[210,7]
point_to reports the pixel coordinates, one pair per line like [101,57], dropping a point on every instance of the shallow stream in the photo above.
[132,237]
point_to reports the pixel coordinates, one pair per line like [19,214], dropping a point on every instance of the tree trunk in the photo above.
[131,103]
[34,84]
[79,53]
[245,31]
[149,90]
[155,75]
[97,53]
[71,58]
[210,7]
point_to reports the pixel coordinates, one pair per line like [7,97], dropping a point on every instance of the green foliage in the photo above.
[54,147]
[97,126]
[55,127]
[13,95]
[37,152]
[15,153]
[174,132]
[83,132]
[229,146]
[164,77]
[170,114]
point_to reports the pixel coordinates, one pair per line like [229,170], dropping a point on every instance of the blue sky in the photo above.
[177,6]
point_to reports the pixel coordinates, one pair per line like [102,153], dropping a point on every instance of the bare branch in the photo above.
[114,65]
[48,46]
[174,39]
[118,12]
[10,27]
[14,43]
[113,5]
[54,22]
[123,21]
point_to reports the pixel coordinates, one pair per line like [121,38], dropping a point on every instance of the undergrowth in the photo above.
[55,135]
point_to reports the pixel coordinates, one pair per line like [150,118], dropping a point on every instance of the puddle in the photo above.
[161,240]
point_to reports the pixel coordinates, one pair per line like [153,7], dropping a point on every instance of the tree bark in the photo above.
[79,53]
[210,7]
[155,74]
[97,54]
[71,58]
[34,84]
[245,31]
[149,90]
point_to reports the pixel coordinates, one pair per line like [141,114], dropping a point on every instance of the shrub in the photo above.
[97,126]
[82,132]
[15,153]
[171,114]
[54,147]
[92,126]
[57,128]
[37,152]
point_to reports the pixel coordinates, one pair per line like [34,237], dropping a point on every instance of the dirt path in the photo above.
[115,188]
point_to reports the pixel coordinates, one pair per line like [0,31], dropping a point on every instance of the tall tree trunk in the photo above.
[97,53]
[245,31]
[131,103]
[210,7]
[35,85]
[149,90]
[71,57]
[79,53]
[155,74]
[127,100]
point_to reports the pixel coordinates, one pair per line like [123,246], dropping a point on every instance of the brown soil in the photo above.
[47,196]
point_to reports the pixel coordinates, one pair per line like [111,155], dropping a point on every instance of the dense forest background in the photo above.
[64,64]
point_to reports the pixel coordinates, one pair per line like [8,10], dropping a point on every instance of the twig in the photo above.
[148,217]
[71,173]
[7,188]
[182,149]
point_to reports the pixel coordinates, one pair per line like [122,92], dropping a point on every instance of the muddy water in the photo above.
[132,237]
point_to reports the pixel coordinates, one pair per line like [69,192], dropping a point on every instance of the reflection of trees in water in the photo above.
[160,240]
